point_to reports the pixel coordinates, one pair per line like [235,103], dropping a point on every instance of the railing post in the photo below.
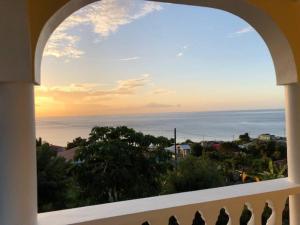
[292,97]
[18,204]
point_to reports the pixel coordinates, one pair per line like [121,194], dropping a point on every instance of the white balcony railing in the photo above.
[183,206]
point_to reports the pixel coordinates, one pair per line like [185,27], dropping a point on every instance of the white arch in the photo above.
[279,47]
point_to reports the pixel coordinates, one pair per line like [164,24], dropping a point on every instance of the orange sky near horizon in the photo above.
[104,60]
[138,97]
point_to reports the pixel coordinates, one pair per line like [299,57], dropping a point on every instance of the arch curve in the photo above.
[279,47]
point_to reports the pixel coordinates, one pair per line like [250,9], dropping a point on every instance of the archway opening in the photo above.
[162,72]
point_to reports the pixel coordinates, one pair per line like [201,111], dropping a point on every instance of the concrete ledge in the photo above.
[126,212]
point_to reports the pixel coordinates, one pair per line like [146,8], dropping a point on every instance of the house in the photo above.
[247,145]
[215,145]
[266,137]
[183,150]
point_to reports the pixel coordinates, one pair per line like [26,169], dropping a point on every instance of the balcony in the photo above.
[25,28]
[158,210]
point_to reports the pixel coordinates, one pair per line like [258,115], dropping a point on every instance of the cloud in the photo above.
[245,30]
[62,44]
[104,17]
[183,50]
[130,86]
[91,93]
[242,31]
[179,54]
[130,58]
[162,91]
[160,105]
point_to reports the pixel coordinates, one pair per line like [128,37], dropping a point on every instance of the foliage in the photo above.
[193,174]
[197,149]
[244,138]
[120,163]
[188,141]
[54,183]
[39,142]
[77,142]
[274,171]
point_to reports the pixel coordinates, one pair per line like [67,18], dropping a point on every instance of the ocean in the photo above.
[197,126]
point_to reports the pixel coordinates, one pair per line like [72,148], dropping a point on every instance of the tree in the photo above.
[54,182]
[197,149]
[120,163]
[274,171]
[244,138]
[193,174]
[229,147]
[188,141]
[39,142]
[77,142]
[280,149]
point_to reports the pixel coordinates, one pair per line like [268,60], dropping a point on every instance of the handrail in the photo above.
[158,210]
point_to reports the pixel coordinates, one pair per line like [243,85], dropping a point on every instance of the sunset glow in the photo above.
[128,57]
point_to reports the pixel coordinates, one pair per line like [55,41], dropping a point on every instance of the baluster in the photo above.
[277,207]
[234,211]
[256,207]
[185,216]
[210,214]
[159,219]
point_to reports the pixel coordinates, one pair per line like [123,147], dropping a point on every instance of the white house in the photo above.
[266,137]
[183,150]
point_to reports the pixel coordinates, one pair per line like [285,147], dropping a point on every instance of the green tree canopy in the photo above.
[54,182]
[120,163]
[244,138]
[197,149]
[77,142]
[193,174]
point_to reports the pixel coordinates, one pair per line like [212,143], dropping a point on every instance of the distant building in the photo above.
[183,150]
[266,137]
[247,145]
[216,145]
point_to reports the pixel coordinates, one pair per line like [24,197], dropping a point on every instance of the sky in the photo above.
[132,57]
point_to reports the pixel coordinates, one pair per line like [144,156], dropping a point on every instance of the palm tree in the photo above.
[274,171]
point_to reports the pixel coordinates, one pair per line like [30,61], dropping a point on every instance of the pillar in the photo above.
[292,95]
[18,189]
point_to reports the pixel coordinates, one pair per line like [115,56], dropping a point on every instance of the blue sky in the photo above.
[132,56]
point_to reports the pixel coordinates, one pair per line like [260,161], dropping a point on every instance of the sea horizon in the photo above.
[197,126]
[157,113]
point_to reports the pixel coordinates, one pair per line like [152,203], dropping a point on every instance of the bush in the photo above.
[193,174]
